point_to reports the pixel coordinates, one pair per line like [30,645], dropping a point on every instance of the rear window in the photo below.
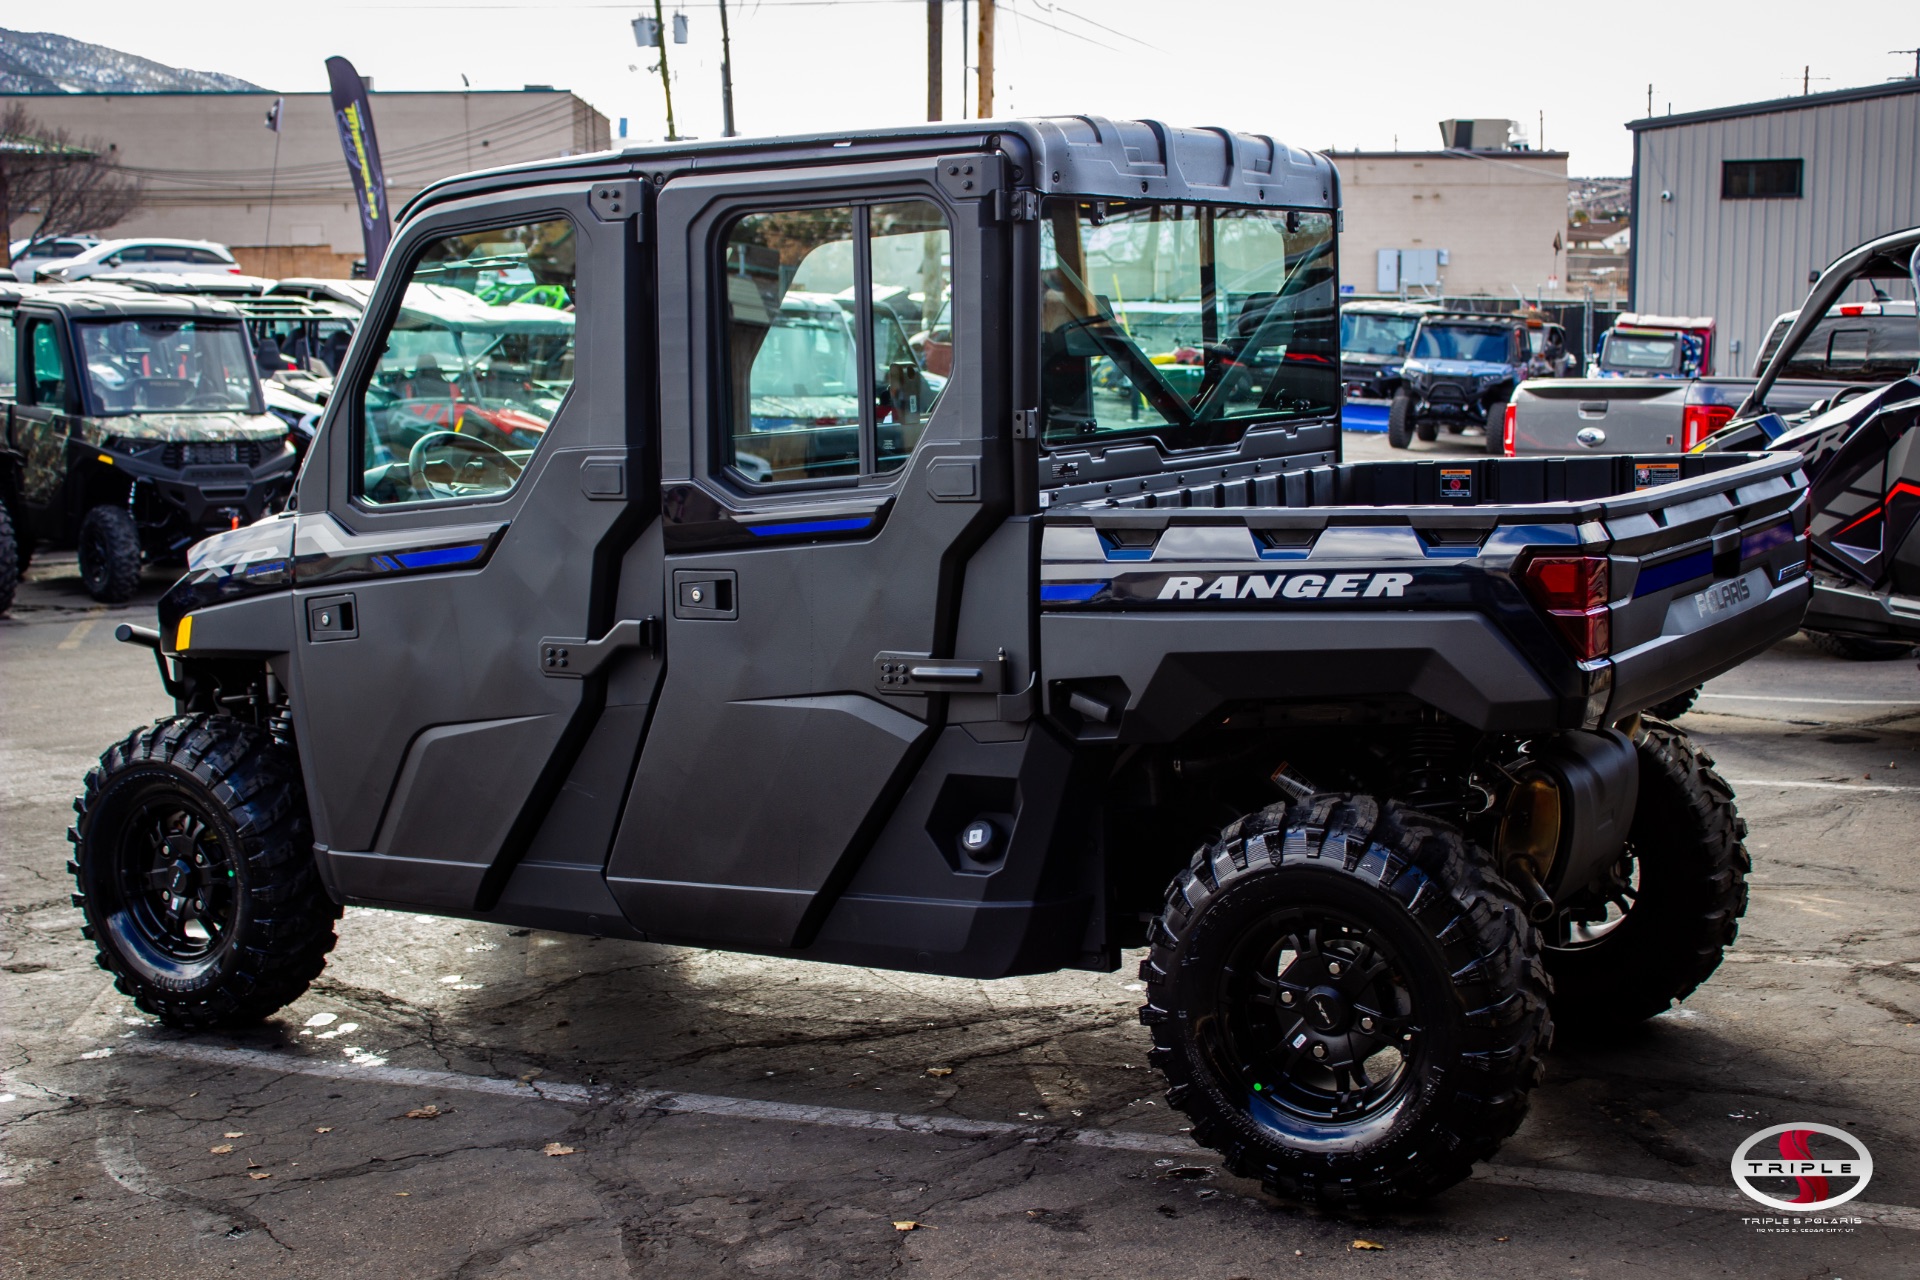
[1640,353]
[1868,348]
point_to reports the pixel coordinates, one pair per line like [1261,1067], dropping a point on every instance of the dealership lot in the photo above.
[713,1112]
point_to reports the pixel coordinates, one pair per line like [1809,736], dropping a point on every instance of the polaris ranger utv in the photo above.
[755,636]
[140,425]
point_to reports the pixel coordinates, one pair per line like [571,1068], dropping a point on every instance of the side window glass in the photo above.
[7,356]
[911,255]
[474,366]
[49,366]
[791,350]
[830,316]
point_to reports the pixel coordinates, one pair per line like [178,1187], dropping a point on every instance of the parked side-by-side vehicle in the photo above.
[743,629]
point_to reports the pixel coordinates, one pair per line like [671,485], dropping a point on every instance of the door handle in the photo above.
[570,659]
[918,673]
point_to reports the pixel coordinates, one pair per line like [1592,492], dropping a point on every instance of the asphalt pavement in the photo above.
[463,1100]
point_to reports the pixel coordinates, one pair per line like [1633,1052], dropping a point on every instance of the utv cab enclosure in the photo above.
[738,628]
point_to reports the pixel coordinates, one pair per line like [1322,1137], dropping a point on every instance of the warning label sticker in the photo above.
[1648,474]
[1456,483]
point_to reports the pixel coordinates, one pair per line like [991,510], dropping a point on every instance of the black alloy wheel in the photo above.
[109,554]
[1347,1001]
[196,875]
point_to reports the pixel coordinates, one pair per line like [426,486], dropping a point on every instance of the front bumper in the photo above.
[201,497]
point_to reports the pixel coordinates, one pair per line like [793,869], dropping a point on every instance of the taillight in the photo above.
[1573,591]
[1506,432]
[1698,421]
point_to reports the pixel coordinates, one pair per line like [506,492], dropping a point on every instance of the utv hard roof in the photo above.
[1078,155]
[108,302]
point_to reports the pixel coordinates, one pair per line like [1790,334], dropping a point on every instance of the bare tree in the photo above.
[69,183]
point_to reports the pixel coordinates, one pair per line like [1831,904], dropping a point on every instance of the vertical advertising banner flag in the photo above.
[355,118]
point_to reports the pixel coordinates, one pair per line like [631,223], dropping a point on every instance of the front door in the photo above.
[822,489]
[458,555]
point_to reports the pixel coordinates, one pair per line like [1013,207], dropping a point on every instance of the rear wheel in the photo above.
[1347,1001]
[1859,648]
[1428,431]
[195,869]
[9,560]
[1657,927]
[110,554]
[1676,706]
[1497,424]
[1400,420]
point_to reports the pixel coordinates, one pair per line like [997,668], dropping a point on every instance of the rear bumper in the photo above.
[1673,663]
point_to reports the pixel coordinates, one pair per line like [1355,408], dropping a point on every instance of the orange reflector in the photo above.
[183,636]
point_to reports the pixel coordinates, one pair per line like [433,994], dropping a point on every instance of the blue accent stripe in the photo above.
[1070,592]
[1661,576]
[1767,539]
[435,557]
[809,526]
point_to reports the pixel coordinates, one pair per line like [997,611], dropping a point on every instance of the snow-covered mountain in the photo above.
[42,62]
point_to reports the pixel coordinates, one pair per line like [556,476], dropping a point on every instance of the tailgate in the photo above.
[1702,581]
[1597,415]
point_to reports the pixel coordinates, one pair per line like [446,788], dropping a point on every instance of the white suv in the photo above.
[111,256]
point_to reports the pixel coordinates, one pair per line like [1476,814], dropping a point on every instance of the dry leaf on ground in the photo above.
[1366,1244]
[556,1149]
[257,1174]
[325,1128]
[939,1071]
[908,1224]
[224,1149]
[235,1134]
[428,1112]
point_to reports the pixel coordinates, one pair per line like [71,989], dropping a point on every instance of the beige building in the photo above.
[206,160]
[1458,223]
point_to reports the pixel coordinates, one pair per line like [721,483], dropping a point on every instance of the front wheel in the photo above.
[1400,420]
[195,870]
[109,554]
[1347,1001]
[1657,926]
[10,565]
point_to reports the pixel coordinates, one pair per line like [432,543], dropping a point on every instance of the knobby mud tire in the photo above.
[1676,706]
[1464,946]
[1859,648]
[10,559]
[244,796]
[1400,420]
[109,554]
[1687,841]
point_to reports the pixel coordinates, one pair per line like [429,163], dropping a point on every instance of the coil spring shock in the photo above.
[1428,772]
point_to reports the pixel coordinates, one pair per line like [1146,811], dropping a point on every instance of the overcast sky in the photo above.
[1343,74]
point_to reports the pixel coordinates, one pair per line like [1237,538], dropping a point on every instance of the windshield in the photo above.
[1640,353]
[1461,342]
[1842,348]
[1184,322]
[154,365]
[805,371]
[1365,334]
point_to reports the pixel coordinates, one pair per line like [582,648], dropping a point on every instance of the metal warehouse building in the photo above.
[1733,208]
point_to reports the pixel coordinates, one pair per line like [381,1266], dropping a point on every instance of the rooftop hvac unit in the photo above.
[1477,135]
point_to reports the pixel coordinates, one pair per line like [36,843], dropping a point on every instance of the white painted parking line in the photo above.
[1817,786]
[1524,1177]
[1837,702]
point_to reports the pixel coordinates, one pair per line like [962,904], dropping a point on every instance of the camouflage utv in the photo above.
[139,427]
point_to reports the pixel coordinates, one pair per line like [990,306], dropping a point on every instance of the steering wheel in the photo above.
[485,458]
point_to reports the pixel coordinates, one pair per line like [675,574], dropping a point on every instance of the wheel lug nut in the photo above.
[1333,968]
[1319,1051]
[1366,1024]
[1286,997]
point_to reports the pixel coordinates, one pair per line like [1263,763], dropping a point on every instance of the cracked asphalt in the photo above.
[726,1115]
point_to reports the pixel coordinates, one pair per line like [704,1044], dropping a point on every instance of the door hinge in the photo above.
[575,659]
[1017,206]
[1026,424]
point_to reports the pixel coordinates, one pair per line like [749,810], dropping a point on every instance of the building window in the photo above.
[1760,179]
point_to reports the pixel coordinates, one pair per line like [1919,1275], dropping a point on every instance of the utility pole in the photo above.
[666,80]
[936,15]
[1649,102]
[984,63]
[726,76]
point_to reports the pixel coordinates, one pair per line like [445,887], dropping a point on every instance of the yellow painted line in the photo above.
[80,629]
[184,635]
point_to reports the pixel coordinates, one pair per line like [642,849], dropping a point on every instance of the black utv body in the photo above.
[139,427]
[740,629]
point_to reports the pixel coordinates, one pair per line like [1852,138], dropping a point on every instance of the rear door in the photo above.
[822,489]
[458,554]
